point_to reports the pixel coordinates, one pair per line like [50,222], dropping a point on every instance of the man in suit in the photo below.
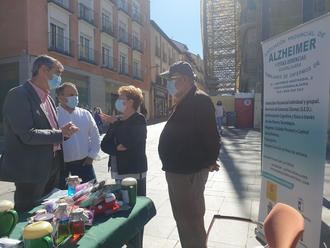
[32,156]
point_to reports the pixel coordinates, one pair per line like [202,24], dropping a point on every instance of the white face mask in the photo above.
[54,82]
[72,101]
[120,105]
[171,88]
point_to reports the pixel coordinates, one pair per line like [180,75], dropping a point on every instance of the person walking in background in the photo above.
[143,110]
[32,156]
[188,148]
[219,113]
[98,120]
[83,147]
[125,140]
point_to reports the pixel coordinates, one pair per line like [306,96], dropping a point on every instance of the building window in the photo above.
[63,3]
[136,15]
[123,66]
[107,59]
[85,50]
[57,34]
[107,22]
[135,39]
[136,44]
[86,13]
[123,5]
[123,35]
[164,55]
[136,69]
[135,9]
[157,47]
[57,41]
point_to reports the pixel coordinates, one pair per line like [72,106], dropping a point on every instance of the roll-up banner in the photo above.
[295,122]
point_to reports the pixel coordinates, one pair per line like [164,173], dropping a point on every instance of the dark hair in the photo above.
[43,60]
[60,89]
[219,102]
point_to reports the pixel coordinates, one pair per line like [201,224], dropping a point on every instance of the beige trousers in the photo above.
[186,193]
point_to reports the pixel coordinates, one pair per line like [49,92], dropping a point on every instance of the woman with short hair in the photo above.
[125,140]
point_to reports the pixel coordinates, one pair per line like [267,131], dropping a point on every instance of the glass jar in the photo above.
[62,223]
[77,223]
[72,182]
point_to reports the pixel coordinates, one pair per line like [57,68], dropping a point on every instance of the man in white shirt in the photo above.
[82,148]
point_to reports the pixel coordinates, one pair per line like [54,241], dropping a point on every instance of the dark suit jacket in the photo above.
[28,138]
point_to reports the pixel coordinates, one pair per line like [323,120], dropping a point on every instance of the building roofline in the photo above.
[155,25]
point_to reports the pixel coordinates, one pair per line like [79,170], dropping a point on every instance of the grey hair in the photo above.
[42,60]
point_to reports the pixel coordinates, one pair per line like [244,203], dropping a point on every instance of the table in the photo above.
[108,231]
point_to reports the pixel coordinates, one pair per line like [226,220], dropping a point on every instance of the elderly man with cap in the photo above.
[188,148]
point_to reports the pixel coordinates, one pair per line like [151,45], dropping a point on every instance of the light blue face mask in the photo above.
[120,105]
[54,82]
[72,101]
[172,90]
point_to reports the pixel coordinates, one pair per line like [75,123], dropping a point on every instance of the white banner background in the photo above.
[295,122]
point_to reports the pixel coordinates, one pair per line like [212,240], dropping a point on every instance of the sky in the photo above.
[180,20]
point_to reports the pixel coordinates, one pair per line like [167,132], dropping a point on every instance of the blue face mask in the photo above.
[172,90]
[120,106]
[72,101]
[54,82]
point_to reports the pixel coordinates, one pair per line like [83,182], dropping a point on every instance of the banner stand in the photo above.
[295,123]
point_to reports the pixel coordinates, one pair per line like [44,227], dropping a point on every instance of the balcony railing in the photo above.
[137,45]
[87,54]
[86,14]
[123,5]
[60,44]
[137,17]
[123,37]
[109,62]
[108,29]
[62,3]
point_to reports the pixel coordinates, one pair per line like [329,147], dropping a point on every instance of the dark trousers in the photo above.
[142,187]
[85,172]
[29,195]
